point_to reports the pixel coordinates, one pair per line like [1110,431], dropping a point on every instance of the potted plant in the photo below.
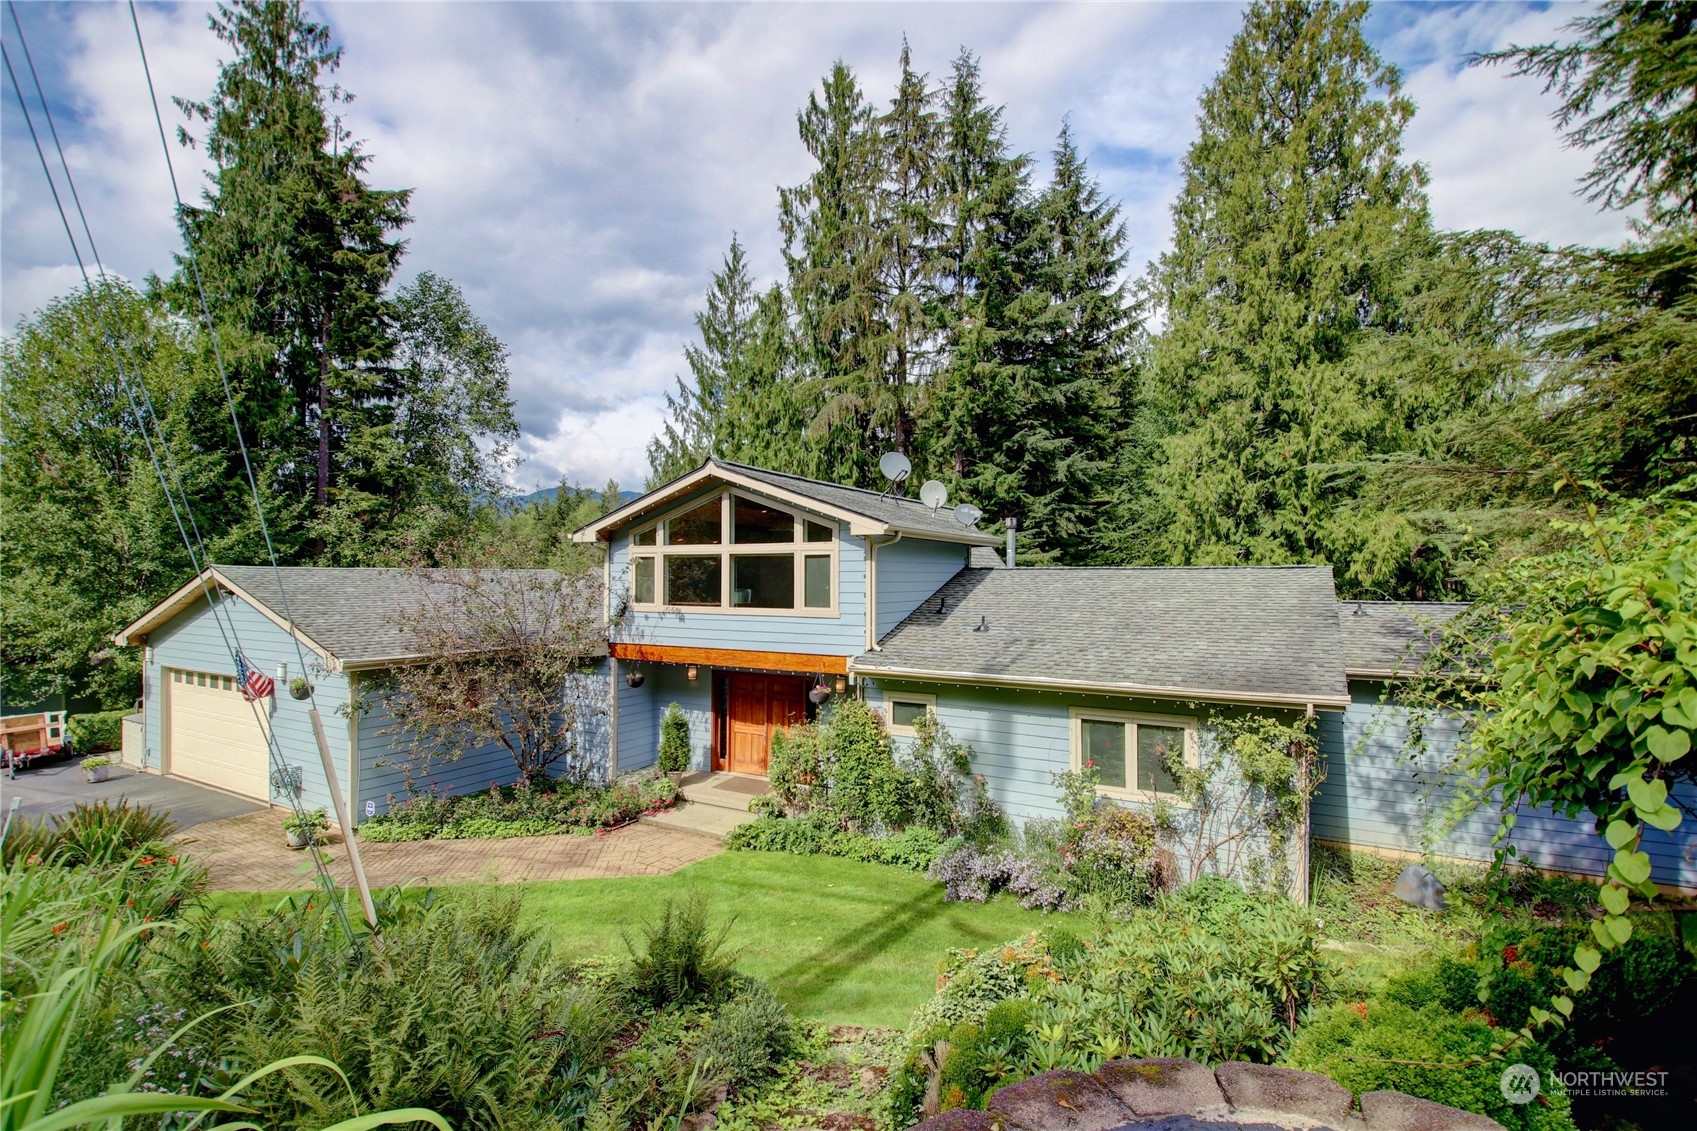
[673,758]
[96,768]
[299,688]
[299,828]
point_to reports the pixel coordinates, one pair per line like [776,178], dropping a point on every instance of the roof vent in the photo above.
[942,603]
[983,624]
[1359,611]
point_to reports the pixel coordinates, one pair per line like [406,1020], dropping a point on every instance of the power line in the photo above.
[97,299]
[332,780]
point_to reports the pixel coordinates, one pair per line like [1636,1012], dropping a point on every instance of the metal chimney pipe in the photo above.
[1013,525]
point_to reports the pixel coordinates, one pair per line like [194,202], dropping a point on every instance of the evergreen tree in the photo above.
[1292,236]
[824,220]
[293,247]
[1036,408]
[721,367]
[88,541]
[862,237]
[1618,392]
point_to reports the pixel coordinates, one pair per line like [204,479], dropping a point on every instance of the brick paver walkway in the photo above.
[247,853]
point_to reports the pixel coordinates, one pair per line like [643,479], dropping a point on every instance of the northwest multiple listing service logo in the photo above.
[1520,1083]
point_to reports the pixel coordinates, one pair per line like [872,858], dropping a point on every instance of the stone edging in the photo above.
[1180,1094]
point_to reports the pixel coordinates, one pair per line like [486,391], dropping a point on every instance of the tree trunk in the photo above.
[322,494]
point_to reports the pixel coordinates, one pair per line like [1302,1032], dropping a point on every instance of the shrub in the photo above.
[1446,983]
[750,1035]
[803,836]
[96,833]
[96,732]
[981,1058]
[940,788]
[817,834]
[526,808]
[1427,1052]
[1210,972]
[799,769]
[866,789]
[673,757]
[682,957]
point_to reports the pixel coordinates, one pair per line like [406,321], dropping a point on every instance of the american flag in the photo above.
[254,683]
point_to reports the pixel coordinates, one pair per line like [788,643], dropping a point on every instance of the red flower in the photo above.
[145,861]
[173,859]
[1510,953]
[60,928]
[1089,765]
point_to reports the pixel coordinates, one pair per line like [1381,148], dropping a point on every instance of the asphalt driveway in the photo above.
[54,787]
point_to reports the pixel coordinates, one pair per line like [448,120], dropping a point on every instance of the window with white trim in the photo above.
[903,711]
[1134,755]
[735,553]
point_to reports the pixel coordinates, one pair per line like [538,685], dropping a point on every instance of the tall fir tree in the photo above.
[1035,413]
[1292,235]
[823,220]
[294,248]
[734,404]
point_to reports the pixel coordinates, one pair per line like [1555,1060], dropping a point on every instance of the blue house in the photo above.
[752,598]
[339,629]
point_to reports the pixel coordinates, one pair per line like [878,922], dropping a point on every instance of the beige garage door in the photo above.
[212,734]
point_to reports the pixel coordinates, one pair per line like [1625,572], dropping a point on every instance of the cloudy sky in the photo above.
[579,168]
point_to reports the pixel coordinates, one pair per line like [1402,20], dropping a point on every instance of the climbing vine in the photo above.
[1578,671]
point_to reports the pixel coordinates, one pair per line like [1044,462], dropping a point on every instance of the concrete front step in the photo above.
[703,820]
[723,791]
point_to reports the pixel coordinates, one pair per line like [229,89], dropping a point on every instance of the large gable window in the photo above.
[735,553]
[1134,756]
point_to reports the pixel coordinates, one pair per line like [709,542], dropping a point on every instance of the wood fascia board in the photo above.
[633,511]
[1038,683]
[178,602]
[185,598]
[804,662]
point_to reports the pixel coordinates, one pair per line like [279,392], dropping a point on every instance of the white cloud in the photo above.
[579,169]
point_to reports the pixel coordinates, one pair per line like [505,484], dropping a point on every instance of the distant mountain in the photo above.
[546,495]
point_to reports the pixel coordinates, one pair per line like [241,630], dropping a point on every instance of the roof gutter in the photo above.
[1039,683]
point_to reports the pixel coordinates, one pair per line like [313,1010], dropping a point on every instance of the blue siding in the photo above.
[672,685]
[1020,739]
[382,777]
[192,642]
[841,635]
[910,571]
[1374,795]
[639,736]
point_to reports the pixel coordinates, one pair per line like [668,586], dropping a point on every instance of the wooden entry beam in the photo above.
[732,658]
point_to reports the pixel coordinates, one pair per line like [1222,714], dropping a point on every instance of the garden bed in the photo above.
[545,808]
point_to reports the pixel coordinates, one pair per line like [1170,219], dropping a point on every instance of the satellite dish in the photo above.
[968,515]
[895,466]
[933,494]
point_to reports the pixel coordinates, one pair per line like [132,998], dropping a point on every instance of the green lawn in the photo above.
[844,942]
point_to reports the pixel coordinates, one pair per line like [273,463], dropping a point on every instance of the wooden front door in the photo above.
[758,706]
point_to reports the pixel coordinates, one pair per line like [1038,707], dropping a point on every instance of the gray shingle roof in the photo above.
[350,611]
[899,512]
[1250,634]
[1386,637]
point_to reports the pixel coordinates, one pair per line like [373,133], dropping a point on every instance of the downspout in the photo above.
[872,547]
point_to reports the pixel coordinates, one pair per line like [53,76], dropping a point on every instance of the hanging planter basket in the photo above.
[299,688]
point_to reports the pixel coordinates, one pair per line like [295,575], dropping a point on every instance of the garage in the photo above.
[213,736]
